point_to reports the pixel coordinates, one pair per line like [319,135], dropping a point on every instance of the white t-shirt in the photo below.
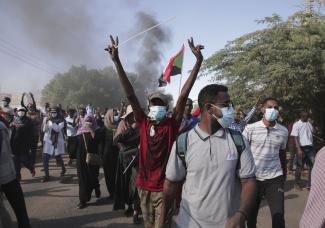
[304,132]
[71,130]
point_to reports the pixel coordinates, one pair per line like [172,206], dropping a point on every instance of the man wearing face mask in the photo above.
[53,142]
[157,134]
[21,141]
[217,191]
[268,140]
[302,131]
[6,111]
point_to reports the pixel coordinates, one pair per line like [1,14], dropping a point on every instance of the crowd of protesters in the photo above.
[211,166]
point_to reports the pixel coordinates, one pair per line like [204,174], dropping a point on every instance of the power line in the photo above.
[27,55]
[25,61]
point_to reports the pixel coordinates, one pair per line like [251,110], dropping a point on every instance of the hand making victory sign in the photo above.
[196,50]
[113,48]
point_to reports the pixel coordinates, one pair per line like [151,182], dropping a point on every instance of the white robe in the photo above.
[48,147]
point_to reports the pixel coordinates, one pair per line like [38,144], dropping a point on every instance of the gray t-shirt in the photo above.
[211,191]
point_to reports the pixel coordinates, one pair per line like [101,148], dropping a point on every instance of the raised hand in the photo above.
[196,49]
[113,48]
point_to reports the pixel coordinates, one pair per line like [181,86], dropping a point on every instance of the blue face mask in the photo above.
[271,114]
[157,113]
[227,116]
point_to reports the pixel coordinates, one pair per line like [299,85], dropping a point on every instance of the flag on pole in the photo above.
[175,65]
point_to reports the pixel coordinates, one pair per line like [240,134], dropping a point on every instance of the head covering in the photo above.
[83,128]
[160,96]
[129,110]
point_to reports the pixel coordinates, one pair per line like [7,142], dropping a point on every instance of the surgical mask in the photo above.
[54,115]
[116,118]
[271,114]
[21,113]
[227,116]
[157,113]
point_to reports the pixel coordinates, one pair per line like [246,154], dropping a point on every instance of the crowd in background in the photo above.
[211,166]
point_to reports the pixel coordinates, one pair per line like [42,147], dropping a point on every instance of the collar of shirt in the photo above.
[204,136]
[276,126]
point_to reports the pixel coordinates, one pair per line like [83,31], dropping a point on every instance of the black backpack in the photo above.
[237,137]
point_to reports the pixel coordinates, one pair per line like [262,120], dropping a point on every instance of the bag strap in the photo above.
[239,142]
[181,147]
[83,136]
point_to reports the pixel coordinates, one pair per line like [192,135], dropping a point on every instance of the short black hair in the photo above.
[208,94]
[303,112]
[269,99]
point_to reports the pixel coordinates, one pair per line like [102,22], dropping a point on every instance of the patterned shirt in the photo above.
[313,216]
[239,126]
[266,144]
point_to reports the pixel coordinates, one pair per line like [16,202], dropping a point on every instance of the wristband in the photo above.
[243,214]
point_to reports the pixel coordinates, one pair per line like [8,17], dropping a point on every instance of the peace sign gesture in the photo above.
[113,48]
[196,49]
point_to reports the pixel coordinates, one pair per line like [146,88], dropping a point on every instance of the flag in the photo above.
[175,65]
[161,81]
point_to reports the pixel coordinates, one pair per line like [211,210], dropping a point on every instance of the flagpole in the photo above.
[181,76]
[180,83]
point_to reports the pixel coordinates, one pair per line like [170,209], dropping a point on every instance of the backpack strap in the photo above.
[181,146]
[238,139]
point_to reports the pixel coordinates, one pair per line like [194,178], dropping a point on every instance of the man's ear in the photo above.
[208,108]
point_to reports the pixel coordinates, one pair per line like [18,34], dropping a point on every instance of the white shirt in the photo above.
[266,144]
[71,131]
[304,132]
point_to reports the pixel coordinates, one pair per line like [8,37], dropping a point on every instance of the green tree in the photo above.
[82,86]
[286,60]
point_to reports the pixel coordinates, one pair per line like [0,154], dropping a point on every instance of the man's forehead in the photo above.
[271,103]
[223,97]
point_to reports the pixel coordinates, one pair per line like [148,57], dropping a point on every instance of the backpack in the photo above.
[237,137]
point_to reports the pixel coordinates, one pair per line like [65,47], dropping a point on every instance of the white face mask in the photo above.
[20,113]
[116,118]
[227,116]
[271,114]
[157,113]
[54,115]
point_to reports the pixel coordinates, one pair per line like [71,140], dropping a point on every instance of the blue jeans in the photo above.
[308,158]
[46,159]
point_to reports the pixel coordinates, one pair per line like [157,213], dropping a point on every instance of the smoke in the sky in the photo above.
[63,29]
[63,33]
[148,65]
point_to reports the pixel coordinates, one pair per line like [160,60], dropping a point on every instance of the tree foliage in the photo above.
[286,60]
[97,87]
